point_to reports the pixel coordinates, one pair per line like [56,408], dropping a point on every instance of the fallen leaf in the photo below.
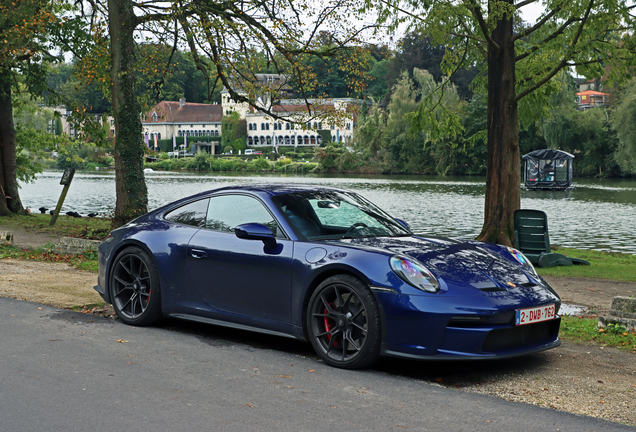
[283,376]
[600,381]
[439,380]
[248,405]
[312,370]
[121,341]
[39,308]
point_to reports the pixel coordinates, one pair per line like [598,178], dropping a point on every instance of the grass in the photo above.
[66,226]
[86,260]
[603,265]
[580,329]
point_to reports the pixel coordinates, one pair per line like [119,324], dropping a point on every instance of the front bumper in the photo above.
[428,327]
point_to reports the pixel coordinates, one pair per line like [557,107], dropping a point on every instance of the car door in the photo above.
[238,275]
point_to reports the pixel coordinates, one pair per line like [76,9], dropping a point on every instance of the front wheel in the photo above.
[343,323]
[134,288]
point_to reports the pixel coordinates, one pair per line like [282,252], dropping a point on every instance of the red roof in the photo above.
[592,93]
[172,112]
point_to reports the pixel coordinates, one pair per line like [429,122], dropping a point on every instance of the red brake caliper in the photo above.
[328,326]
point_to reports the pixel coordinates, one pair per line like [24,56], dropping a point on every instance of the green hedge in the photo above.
[206,163]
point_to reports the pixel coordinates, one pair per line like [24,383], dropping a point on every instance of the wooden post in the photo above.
[67,177]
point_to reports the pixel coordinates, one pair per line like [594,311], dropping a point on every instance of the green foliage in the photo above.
[201,162]
[234,131]
[261,164]
[624,123]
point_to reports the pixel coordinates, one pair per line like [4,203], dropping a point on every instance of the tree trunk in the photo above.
[10,202]
[130,184]
[503,188]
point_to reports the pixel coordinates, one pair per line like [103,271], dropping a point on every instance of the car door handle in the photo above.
[196,253]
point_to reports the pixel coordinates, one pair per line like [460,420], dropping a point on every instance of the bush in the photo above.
[66,160]
[201,162]
[261,164]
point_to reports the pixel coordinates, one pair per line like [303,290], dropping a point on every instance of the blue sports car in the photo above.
[328,266]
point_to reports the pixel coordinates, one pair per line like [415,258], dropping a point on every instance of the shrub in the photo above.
[261,164]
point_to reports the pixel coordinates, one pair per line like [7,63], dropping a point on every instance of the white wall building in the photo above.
[168,119]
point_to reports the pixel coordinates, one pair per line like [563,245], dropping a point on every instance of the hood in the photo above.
[454,261]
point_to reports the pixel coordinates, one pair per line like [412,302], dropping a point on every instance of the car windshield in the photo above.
[336,215]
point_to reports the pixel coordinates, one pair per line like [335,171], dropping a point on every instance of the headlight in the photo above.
[523,260]
[414,273]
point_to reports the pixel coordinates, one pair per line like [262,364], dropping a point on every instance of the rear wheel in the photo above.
[343,322]
[134,288]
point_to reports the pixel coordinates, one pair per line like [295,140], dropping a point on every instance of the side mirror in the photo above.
[256,231]
[403,223]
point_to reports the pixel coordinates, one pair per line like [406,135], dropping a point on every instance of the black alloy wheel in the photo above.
[134,288]
[343,323]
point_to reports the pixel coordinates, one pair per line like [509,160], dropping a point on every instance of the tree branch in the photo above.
[539,24]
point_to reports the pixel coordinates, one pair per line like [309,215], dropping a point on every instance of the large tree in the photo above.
[520,62]
[24,28]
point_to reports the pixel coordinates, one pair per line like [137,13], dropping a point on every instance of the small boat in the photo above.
[548,169]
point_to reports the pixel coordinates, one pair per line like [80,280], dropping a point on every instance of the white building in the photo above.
[292,123]
[296,126]
[168,119]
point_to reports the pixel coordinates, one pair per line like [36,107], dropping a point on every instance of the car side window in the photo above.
[228,211]
[190,214]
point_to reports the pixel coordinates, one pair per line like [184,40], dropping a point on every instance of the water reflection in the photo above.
[596,214]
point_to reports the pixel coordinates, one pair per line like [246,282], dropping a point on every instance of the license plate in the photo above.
[535,314]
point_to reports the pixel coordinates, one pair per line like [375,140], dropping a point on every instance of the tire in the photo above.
[134,288]
[343,323]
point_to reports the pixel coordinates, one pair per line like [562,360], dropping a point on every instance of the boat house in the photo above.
[548,169]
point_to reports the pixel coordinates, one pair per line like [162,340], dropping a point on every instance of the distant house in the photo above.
[177,119]
[296,126]
[592,94]
[333,119]
[590,98]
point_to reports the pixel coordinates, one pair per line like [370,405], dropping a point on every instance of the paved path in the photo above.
[65,371]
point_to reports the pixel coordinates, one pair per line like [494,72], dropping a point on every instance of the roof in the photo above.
[592,93]
[172,112]
[548,154]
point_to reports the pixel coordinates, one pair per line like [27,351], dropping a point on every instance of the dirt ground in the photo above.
[583,379]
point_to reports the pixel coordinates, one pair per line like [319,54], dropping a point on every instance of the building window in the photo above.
[249,126]
[287,126]
[348,126]
[158,135]
[155,117]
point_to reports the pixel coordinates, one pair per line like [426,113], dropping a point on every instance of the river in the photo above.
[597,214]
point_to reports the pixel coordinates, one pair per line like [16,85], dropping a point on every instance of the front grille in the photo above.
[521,336]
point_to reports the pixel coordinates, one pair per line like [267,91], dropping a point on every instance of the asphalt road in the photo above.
[66,371]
